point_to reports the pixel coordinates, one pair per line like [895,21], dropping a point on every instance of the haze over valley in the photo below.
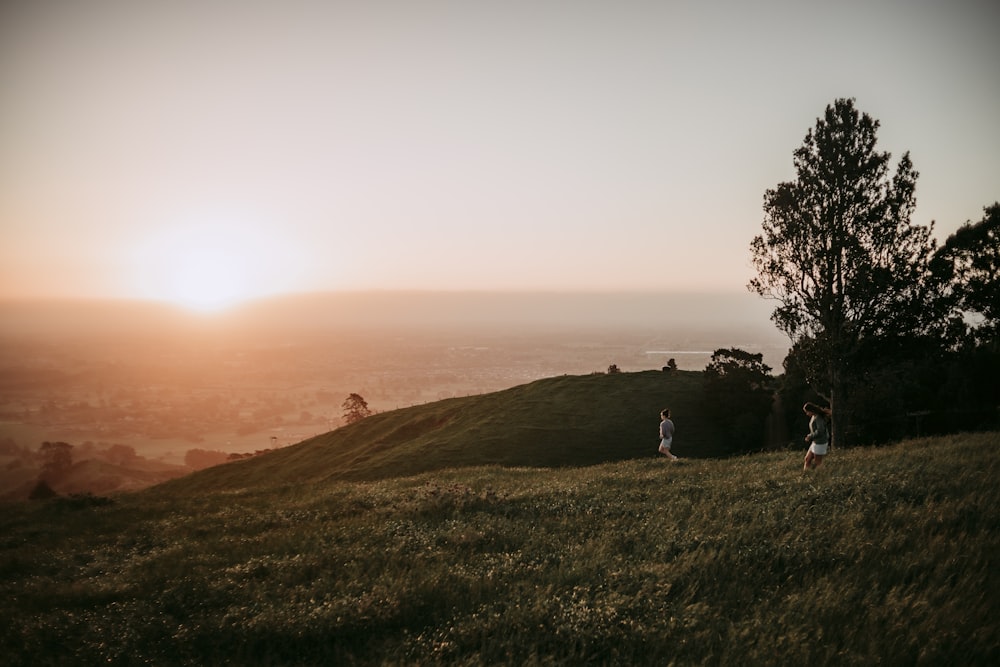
[164,381]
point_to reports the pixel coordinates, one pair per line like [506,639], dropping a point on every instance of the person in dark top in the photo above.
[819,435]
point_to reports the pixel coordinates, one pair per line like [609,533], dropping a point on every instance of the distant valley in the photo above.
[164,383]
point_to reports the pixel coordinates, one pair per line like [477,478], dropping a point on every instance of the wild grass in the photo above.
[884,556]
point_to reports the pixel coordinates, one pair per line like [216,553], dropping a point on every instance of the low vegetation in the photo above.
[884,556]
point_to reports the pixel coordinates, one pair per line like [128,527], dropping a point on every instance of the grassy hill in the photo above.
[884,556]
[562,421]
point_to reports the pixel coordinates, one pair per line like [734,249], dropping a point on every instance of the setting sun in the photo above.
[250,149]
[208,278]
[210,265]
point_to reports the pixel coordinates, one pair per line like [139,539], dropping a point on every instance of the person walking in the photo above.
[819,435]
[666,434]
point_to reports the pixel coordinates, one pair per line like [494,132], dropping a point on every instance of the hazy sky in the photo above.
[209,149]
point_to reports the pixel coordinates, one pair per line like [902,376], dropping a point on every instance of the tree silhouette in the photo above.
[969,262]
[355,409]
[737,391]
[42,491]
[840,255]
[57,458]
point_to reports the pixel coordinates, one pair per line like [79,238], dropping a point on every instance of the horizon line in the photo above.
[77,299]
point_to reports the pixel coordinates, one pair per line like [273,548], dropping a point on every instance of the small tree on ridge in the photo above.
[355,409]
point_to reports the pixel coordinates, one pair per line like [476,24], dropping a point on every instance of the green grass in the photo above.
[884,556]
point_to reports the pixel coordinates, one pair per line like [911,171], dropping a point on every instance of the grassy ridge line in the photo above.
[887,556]
[555,422]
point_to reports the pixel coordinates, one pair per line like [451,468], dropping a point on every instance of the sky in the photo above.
[204,151]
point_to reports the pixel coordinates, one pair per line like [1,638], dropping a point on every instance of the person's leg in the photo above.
[807,463]
[819,460]
[665,449]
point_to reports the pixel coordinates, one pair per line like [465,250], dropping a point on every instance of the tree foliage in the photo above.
[57,458]
[355,408]
[42,491]
[738,393]
[969,263]
[839,253]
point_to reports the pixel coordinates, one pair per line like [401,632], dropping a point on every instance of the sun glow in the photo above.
[209,278]
[211,265]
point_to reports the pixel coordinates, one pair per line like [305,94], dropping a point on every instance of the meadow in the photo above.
[883,556]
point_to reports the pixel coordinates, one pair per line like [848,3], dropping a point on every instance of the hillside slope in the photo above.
[563,421]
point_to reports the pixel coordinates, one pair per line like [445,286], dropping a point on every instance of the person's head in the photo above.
[812,409]
[665,413]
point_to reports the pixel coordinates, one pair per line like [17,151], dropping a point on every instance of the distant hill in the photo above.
[556,422]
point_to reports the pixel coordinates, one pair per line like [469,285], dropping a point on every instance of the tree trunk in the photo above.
[839,409]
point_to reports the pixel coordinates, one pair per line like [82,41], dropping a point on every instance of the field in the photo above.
[884,556]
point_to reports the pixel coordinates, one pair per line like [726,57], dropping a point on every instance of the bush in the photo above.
[42,491]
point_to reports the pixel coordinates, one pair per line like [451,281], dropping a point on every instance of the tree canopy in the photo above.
[355,408]
[738,392]
[839,253]
[969,262]
[57,458]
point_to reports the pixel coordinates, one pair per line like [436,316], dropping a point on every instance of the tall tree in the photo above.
[969,262]
[839,253]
